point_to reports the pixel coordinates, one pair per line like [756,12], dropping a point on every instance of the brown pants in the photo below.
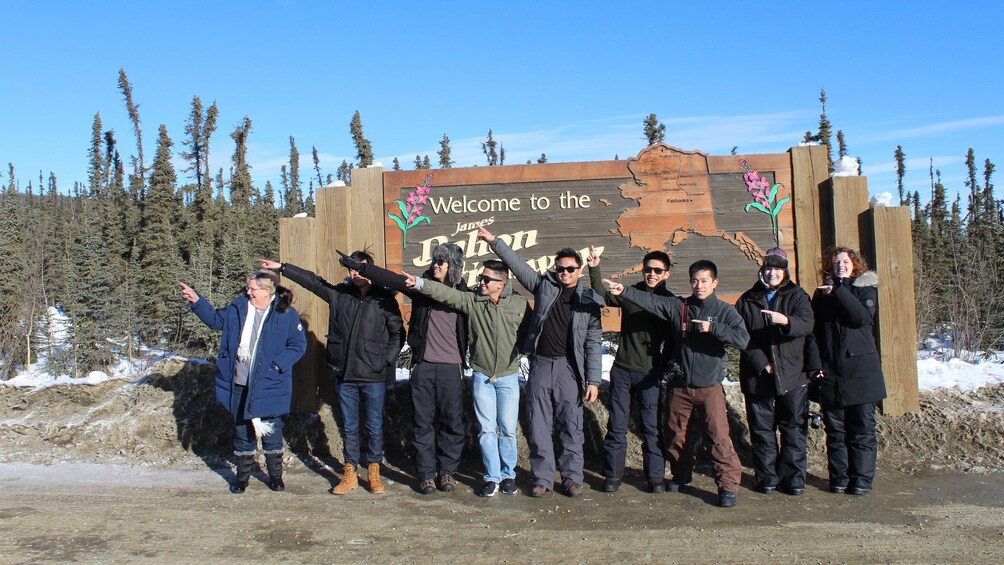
[710,404]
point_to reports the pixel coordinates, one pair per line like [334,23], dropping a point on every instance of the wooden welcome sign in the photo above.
[729,209]
[692,206]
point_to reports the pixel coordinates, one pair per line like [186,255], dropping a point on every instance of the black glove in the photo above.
[349,263]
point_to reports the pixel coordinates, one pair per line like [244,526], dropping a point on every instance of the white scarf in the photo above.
[244,347]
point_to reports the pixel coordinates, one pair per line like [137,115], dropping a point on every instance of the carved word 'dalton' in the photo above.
[474,248]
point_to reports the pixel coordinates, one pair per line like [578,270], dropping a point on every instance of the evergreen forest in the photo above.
[107,253]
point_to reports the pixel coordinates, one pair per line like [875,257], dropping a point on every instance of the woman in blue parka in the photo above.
[262,339]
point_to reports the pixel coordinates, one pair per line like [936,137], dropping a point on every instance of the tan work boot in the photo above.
[349,480]
[376,487]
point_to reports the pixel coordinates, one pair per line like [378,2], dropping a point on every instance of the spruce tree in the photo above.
[825,131]
[426,163]
[488,147]
[295,204]
[317,166]
[396,164]
[900,171]
[160,262]
[139,169]
[364,150]
[655,131]
[445,162]
[842,146]
[344,172]
[418,162]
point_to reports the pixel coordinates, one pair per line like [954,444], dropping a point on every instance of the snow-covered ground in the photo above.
[935,369]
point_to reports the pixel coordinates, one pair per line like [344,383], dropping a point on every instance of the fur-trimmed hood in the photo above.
[868,278]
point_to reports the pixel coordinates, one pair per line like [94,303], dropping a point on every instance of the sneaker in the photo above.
[726,499]
[508,486]
[428,486]
[765,489]
[488,489]
[656,486]
[573,490]
[858,491]
[838,489]
[447,483]
[793,491]
[611,485]
[539,490]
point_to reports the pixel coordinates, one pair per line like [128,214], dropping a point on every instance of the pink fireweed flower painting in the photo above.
[411,209]
[763,197]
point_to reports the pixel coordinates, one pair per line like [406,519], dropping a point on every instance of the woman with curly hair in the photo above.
[850,383]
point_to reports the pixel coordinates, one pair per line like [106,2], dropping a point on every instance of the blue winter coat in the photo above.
[280,345]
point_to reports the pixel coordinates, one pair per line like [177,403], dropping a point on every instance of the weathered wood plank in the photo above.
[297,245]
[850,202]
[897,320]
[808,171]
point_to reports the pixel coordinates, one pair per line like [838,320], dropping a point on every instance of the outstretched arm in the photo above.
[210,316]
[665,307]
[524,273]
[376,274]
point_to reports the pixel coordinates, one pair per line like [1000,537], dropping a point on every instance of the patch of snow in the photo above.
[846,167]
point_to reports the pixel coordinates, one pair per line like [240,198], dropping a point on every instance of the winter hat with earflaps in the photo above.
[454,257]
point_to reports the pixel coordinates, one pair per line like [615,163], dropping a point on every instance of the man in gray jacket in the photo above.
[563,344]
[704,325]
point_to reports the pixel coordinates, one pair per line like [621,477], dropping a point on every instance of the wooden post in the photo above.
[892,254]
[366,213]
[297,239]
[808,171]
[849,197]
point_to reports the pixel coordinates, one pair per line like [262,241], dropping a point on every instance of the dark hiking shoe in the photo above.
[573,490]
[676,486]
[656,486]
[726,499]
[539,491]
[765,489]
[793,491]
[428,486]
[611,485]
[838,489]
[447,483]
[488,489]
[508,486]
[858,491]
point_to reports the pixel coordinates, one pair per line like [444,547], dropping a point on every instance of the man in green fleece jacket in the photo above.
[497,321]
[703,326]
[636,373]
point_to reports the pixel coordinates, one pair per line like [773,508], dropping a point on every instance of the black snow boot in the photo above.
[273,462]
[245,464]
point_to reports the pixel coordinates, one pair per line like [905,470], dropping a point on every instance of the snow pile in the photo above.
[936,370]
[846,167]
[58,324]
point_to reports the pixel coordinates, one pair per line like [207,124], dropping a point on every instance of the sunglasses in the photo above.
[486,279]
[569,269]
[655,270]
[439,261]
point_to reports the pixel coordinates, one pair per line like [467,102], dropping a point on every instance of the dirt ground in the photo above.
[126,472]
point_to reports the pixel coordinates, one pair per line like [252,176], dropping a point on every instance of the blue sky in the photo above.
[573,80]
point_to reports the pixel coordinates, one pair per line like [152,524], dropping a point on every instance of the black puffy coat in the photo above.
[781,347]
[365,332]
[421,305]
[845,335]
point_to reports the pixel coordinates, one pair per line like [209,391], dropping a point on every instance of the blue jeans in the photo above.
[496,405]
[372,395]
[245,440]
